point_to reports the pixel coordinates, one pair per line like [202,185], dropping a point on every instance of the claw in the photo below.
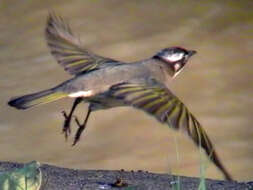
[81,127]
[77,136]
[64,114]
[77,121]
[78,133]
[75,141]
[66,126]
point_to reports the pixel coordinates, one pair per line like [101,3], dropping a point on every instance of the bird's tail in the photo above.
[35,99]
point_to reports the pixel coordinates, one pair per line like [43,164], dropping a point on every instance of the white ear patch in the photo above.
[174,57]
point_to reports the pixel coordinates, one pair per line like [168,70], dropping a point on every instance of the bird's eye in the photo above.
[174,57]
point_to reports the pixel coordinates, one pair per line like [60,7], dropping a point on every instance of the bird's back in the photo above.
[99,81]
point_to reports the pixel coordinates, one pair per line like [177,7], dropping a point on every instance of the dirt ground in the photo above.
[55,178]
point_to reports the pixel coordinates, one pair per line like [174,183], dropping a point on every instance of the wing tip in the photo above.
[58,28]
[51,21]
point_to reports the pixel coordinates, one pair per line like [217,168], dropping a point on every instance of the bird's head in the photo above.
[175,58]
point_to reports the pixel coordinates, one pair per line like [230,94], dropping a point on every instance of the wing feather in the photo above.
[67,50]
[167,108]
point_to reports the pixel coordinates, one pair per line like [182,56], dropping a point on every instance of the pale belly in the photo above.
[104,102]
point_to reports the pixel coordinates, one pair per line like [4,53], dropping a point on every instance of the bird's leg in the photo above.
[66,126]
[81,126]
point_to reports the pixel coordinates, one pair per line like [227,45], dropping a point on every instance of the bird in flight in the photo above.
[105,83]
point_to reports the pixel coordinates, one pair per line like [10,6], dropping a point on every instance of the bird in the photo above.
[106,83]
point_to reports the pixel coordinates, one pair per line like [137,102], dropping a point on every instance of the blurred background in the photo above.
[216,85]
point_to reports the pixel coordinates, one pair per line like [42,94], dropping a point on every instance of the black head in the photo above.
[175,57]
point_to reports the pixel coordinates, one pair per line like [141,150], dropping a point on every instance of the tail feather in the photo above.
[35,99]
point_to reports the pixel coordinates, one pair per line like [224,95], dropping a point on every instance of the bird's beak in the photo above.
[191,52]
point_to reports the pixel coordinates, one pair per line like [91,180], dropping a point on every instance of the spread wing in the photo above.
[67,50]
[167,108]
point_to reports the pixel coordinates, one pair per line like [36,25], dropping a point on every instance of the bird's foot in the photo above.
[81,127]
[66,126]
